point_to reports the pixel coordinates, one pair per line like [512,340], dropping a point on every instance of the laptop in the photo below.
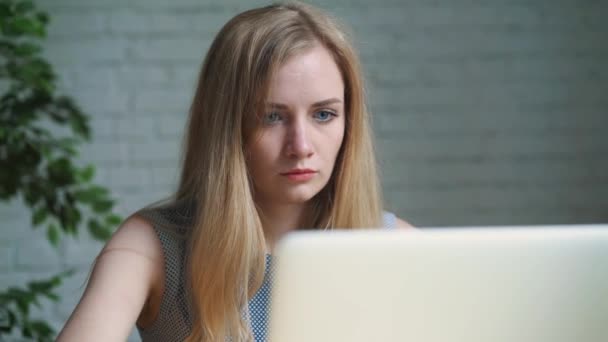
[525,284]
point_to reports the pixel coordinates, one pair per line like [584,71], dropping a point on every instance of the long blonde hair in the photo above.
[226,243]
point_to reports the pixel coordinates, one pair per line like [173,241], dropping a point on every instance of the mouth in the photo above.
[299,174]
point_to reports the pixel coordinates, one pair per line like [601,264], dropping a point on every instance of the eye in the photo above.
[271,118]
[324,115]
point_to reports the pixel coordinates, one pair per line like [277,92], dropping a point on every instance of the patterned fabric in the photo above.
[258,305]
[173,322]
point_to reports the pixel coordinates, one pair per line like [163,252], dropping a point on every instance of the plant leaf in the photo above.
[86,174]
[52,234]
[113,220]
[91,194]
[98,231]
[39,216]
[24,7]
[102,206]
[27,49]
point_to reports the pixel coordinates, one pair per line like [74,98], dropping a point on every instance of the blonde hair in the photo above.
[226,243]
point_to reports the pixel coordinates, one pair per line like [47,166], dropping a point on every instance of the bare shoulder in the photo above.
[135,235]
[123,279]
[402,224]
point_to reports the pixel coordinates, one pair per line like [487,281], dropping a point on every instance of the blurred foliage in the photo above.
[37,163]
[16,305]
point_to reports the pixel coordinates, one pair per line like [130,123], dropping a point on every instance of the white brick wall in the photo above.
[486,112]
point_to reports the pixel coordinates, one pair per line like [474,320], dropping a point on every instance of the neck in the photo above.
[279,219]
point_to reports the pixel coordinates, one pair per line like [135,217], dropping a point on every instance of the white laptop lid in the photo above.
[528,284]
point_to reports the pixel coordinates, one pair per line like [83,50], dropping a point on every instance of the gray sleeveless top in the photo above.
[173,322]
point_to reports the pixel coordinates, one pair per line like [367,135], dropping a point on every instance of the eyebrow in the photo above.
[316,104]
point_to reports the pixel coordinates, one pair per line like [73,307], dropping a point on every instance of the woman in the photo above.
[278,139]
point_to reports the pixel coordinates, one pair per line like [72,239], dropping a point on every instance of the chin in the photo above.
[299,196]
[297,199]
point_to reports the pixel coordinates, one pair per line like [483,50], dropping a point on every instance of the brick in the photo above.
[136,128]
[158,152]
[71,290]
[427,217]
[81,251]
[470,173]
[19,227]
[167,22]
[86,51]
[520,71]
[193,4]
[63,24]
[135,21]
[103,127]
[461,218]
[491,197]
[62,6]
[105,153]
[165,176]
[109,100]
[37,254]
[13,279]
[130,202]
[124,177]
[13,209]
[444,123]
[172,127]
[491,144]
[138,76]
[470,96]
[165,101]
[463,16]
[169,49]
[100,78]
[186,74]
[7,255]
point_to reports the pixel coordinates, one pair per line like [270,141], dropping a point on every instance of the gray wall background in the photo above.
[486,112]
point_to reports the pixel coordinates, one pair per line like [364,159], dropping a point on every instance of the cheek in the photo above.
[337,139]
[262,151]
[257,165]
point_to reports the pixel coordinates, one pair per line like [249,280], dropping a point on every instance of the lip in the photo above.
[299,175]
[297,172]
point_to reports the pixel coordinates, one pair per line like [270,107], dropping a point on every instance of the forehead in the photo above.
[307,77]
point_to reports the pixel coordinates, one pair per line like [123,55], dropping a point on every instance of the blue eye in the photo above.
[324,116]
[271,118]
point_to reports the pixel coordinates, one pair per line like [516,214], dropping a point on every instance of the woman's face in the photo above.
[292,156]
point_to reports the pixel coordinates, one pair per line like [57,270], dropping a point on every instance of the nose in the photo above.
[299,144]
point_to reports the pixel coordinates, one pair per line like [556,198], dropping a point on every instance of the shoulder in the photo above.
[136,235]
[135,248]
[119,288]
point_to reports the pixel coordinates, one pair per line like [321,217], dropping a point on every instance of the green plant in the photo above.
[37,164]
